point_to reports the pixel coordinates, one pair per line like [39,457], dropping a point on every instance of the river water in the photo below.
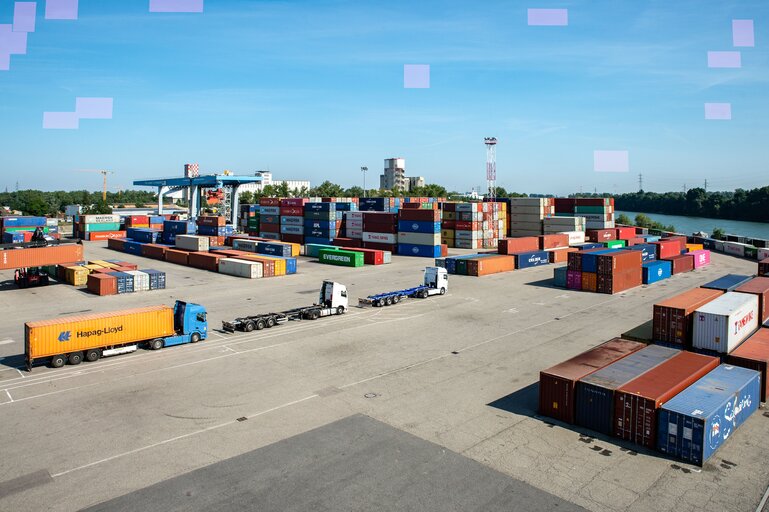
[690,225]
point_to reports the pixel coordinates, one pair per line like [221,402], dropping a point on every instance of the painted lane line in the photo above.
[9,395]
[6,342]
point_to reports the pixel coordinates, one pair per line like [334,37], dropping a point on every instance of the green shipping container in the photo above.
[19,230]
[102,226]
[751,253]
[253,222]
[313,250]
[590,209]
[615,244]
[461,267]
[341,258]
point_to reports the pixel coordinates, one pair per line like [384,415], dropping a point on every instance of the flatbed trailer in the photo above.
[436,282]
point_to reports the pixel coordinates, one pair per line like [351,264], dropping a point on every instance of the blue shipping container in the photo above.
[320,207]
[316,240]
[451,263]
[134,248]
[22,222]
[215,230]
[588,245]
[144,235]
[273,249]
[590,262]
[650,238]
[179,227]
[291,229]
[157,219]
[346,207]
[320,233]
[531,259]
[648,251]
[320,224]
[157,279]
[697,421]
[13,237]
[423,251]
[293,221]
[125,282]
[168,238]
[417,226]
[559,276]
[654,271]
[324,216]
[594,396]
[728,282]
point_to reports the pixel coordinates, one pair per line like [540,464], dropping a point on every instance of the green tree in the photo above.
[283,190]
[355,191]
[247,197]
[624,219]
[327,189]
[718,233]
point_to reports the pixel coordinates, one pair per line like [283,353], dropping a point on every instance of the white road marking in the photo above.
[21,374]
[9,395]
[6,342]
[511,310]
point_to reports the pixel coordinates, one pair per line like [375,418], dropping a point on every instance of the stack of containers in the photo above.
[20,229]
[527,215]
[468,226]
[448,223]
[419,230]
[673,319]
[758,286]
[292,219]
[380,231]
[320,224]
[618,271]
[598,212]
[353,225]
[97,227]
[269,218]
[172,228]
[214,227]
[725,322]
[249,219]
[557,245]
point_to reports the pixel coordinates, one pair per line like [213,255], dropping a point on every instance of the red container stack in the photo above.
[618,271]
[681,263]
[380,231]
[672,322]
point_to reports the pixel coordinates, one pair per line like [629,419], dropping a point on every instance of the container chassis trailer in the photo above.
[436,282]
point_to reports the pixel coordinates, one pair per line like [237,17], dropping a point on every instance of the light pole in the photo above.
[364,169]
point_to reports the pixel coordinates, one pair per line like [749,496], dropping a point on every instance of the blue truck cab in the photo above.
[190,324]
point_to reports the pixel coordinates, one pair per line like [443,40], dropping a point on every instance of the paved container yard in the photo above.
[425,405]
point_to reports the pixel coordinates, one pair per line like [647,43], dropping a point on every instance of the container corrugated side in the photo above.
[724,323]
[40,256]
[240,268]
[754,354]
[673,318]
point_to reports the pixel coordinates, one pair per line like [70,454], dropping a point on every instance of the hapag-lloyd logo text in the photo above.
[744,321]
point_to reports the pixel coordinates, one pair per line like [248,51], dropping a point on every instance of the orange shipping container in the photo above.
[490,265]
[589,281]
[40,256]
[177,256]
[561,255]
[102,284]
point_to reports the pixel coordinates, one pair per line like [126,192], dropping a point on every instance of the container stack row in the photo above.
[109,277]
[472,225]
[15,230]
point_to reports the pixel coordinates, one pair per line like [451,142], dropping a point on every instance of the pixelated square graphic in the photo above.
[93,108]
[13,43]
[718,111]
[176,5]
[5,61]
[610,161]
[548,17]
[724,60]
[416,76]
[742,33]
[60,121]
[61,9]
[24,16]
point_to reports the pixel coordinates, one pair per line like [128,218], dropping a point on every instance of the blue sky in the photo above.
[314,90]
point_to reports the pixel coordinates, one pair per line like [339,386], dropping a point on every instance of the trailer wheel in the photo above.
[259,324]
[443,291]
[249,326]
[156,344]
[92,355]
[58,361]
[314,314]
[75,358]
[195,337]
[388,301]
[271,321]
[340,310]
[396,299]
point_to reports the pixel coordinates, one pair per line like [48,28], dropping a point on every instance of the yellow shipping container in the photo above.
[694,247]
[280,264]
[104,264]
[77,276]
[46,338]
[91,267]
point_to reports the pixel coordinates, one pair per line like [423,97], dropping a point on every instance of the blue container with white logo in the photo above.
[590,262]
[418,226]
[317,240]
[273,249]
[588,245]
[143,235]
[291,229]
[179,227]
[168,238]
[648,251]
[320,233]
[422,251]
[13,237]
[125,282]
[134,248]
[655,271]
[320,207]
[697,421]
[327,225]
[531,259]
[215,230]
[22,222]
[157,279]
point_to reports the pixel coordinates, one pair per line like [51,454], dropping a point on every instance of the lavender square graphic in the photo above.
[13,43]
[718,111]
[176,5]
[24,16]
[724,60]
[5,61]
[548,17]
[61,9]
[60,121]
[610,161]
[742,33]
[93,108]
[416,76]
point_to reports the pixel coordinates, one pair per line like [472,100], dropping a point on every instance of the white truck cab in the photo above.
[334,296]
[436,280]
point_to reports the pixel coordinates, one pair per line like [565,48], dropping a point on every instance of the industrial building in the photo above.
[394,177]
[267,180]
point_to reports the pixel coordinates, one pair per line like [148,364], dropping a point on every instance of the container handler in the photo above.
[436,282]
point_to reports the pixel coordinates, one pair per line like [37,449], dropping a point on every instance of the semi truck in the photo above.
[93,336]
[436,282]
[332,301]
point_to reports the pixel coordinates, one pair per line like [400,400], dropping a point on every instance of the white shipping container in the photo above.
[354,224]
[192,243]
[382,238]
[240,268]
[354,216]
[722,324]
[575,237]
[241,244]
[735,248]
[99,219]
[419,238]
[354,233]
[763,254]
[468,235]
[141,280]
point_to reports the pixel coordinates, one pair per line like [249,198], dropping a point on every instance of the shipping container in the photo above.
[157,279]
[753,353]
[636,402]
[341,258]
[673,318]
[758,286]
[601,235]
[102,284]
[192,243]
[655,271]
[493,264]
[557,384]
[177,256]
[531,259]
[648,251]
[694,424]
[40,256]
[763,267]
[514,245]
[589,282]
[420,250]
[574,280]
[681,263]
[205,260]
[560,276]
[701,258]
[728,282]
[619,261]
[595,393]
[240,268]
[619,281]
[722,324]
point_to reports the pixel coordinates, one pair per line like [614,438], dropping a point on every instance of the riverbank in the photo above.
[690,225]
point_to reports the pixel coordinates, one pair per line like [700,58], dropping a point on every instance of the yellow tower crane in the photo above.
[104,186]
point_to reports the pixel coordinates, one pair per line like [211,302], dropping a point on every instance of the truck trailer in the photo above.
[436,282]
[92,336]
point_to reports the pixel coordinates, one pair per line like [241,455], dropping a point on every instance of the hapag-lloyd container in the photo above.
[694,424]
[557,384]
[722,324]
[728,282]
[636,403]
[673,317]
[595,393]
[701,258]
[758,286]
[754,354]
[240,268]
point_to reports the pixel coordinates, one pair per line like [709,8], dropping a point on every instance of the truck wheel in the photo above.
[425,294]
[249,326]
[156,344]
[388,301]
[443,291]
[396,299]
[314,314]
[58,361]
[92,355]
[75,358]
[270,321]
[340,310]
[259,325]
[195,337]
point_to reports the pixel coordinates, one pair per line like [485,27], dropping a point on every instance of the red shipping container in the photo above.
[138,220]
[753,353]
[101,270]
[625,233]
[672,318]
[117,244]
[211,220]
[560,255]
[564,205]
[269,228]
[667,249]
[462,225]
[557,384]
[420,214]
[346,242]
[292,211]
[155,251]
[232,253]
[619,281]
[177,256]
[379,227]
[601,235]
[513,245]
[763,267]
[444,250]
[269,201]
[595,201]
[205,260]
[635,241]
[758,286]
[294,239]
[294,201]
[636,402]
[127,265]
[370,256]
[40,256]
[681,263]
[553,241]
[621,261]
[96,236]
[393,248]
[102,284]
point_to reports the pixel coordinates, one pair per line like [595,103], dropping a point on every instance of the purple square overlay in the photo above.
[93,108]
[416,76]
[176,5]
[13,43]
[24,16]
[60,121]
[610,161]
[61,9]
[548,17]
[724,60]
[5,61]
[742,33]
[718,111]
